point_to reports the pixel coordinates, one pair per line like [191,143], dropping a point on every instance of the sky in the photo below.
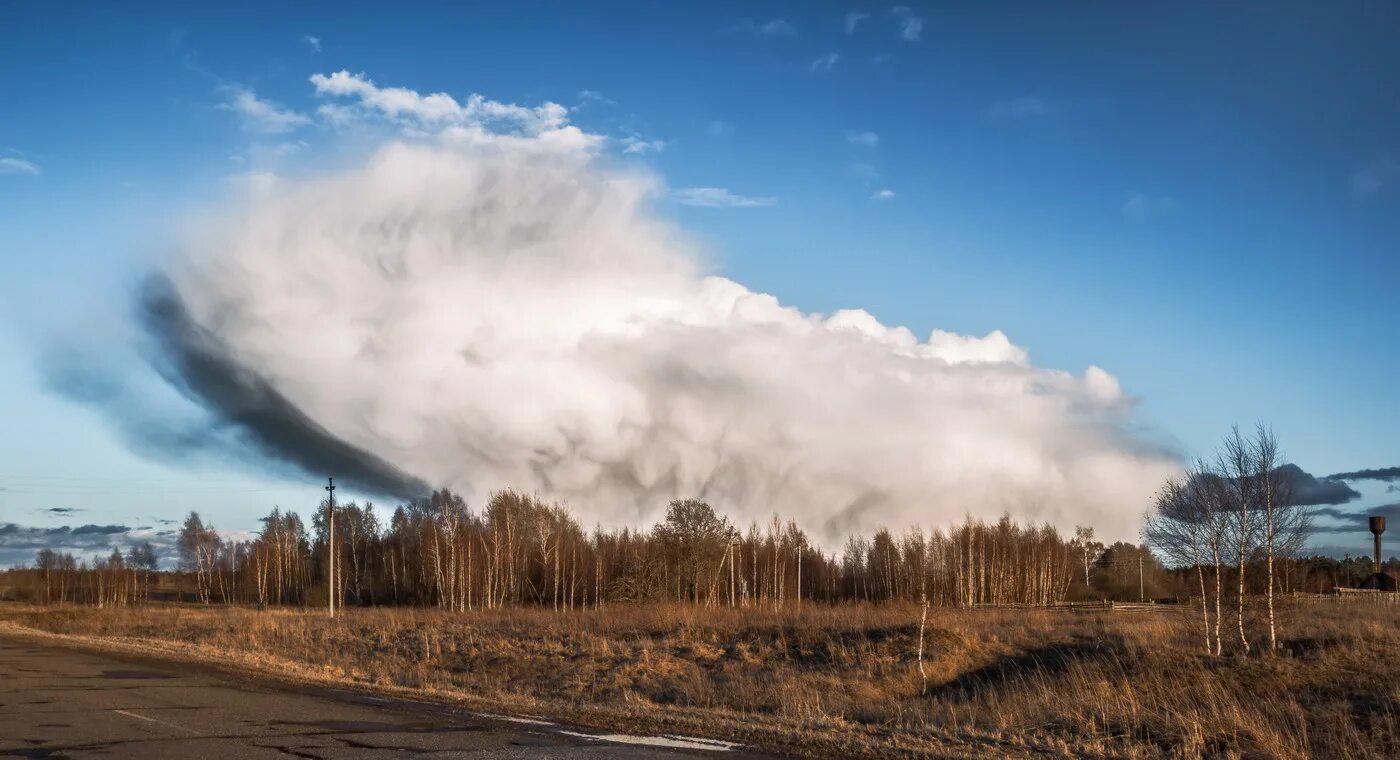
[1202,200]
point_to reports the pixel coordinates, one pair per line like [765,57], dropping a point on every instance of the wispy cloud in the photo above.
[718,197]
[853,20]
[1026,107]
[436,109]
[593,96]
[313,42]
[883,195]
[778,27]
[1386,474]
[639,146]
[261,115]
[10,165]
[825,62]
[1371,178]
[863,139]
[1140,207]
[911,27]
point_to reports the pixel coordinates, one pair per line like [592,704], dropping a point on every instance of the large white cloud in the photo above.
[489,307]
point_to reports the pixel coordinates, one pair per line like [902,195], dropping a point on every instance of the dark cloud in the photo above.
[1387,474]
[196,362]
[19,543]
[1354,521]
[63,510]
[103,530]
[231,414]
[1307,489]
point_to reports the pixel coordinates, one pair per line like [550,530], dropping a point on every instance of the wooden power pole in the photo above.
[330,580]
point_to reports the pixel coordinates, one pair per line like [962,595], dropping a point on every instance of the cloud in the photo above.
[473,118]
[20,543]
[853,20]
[261,115]
[1387,474]
[1372,178]
[63,510]
[1304,488]
[825,62]
[1027,107]
[716,197]
[593,96]
[883,195]
[11,165]
[313,42]
[911,27]
[513,310]
[1140,207]
[863,139]
[1354,522]
[778,27]
[633,145]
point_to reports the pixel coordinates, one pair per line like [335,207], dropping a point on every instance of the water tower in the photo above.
[1379,580]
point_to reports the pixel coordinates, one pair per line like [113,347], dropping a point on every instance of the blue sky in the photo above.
[1204,201]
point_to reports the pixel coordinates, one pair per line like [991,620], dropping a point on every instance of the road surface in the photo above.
[62,703]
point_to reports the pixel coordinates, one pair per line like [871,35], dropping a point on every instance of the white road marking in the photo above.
[679,742]
[159,722]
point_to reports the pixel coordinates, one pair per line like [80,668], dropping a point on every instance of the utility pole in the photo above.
[330,580]
[1142,596]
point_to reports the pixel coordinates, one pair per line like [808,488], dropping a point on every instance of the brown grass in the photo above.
[839,680]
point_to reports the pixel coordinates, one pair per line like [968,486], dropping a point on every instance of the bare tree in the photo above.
[1285,524]
[1237,465]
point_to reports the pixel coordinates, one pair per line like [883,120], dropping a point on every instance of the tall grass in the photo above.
[844,679]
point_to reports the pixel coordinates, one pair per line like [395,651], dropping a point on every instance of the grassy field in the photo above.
[836,680]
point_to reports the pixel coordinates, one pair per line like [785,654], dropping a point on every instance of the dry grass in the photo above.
[842,680]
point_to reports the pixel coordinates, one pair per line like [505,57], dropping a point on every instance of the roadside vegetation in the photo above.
[835,680]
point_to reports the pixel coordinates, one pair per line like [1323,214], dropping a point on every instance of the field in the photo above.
[833,680]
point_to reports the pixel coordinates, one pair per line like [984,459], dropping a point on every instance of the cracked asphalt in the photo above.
[61,703]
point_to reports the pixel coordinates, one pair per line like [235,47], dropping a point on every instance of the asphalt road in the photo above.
[61,703]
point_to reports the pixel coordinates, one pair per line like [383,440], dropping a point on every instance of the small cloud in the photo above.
[719,129]
[1387,474]
[1370,179]
[883,195]
[10,165]
[881,58]
[778,27]
[312,42]
[911,27]
[1019,108]
[638,146]
[593,96]
[63,510]
[1140,207]
[718,197]
[863,139]
[825,62]
[262,115]
[853,20]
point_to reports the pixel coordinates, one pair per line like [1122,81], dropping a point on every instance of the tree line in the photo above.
[1223,531]
[521,550]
